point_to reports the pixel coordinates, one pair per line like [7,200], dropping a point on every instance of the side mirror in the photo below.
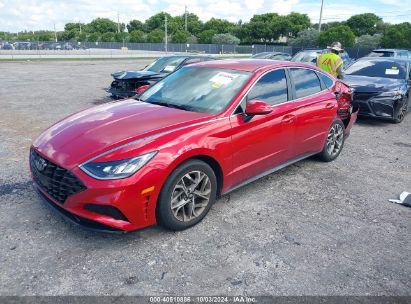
[141,89]
[257,107]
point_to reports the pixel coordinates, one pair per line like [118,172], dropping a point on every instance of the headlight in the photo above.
[117,169]
[390,95]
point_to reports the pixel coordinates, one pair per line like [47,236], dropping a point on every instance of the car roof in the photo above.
[395,59]
[250,65]
[388,50]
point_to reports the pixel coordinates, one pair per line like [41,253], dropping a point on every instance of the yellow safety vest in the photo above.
[329,62]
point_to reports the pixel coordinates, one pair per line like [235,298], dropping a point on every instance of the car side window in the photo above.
[327,80]
[270,88]
[192,60]
[306,82]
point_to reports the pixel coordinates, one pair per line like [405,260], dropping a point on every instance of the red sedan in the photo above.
[205,130]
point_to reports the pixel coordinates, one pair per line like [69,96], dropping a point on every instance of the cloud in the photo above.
[43,14]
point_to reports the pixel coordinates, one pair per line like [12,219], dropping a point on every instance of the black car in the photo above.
[126,82]
[272,55]
[310,56]
[382,87]
[389,53]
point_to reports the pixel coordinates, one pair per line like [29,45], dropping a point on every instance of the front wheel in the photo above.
[187,195]
[334,142]
[402,111]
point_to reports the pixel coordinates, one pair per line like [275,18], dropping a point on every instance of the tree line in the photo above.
[363,30]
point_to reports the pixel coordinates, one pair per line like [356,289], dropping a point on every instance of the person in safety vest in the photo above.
[331,62]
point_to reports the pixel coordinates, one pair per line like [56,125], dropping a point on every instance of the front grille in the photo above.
[364,96]
[56,181]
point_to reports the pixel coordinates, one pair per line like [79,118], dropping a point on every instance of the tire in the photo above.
[180,214]
[402,111]
[335,136]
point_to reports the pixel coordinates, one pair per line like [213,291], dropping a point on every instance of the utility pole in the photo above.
[321,16]
[165,25]
[80,26]
[118,22]
[55,33]
[185,18]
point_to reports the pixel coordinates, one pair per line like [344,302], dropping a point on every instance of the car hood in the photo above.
[373,84]
[86,134]
[135,75]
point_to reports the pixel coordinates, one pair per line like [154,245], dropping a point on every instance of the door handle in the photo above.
[288,119]
[330,106]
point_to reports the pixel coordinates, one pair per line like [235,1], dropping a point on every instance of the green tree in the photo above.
[220,26]
[225,39]
[368,41]
[73,26]
[267,27]
[93,37]
[340,33]
[122,36]
[206,36]
[138,36]
[180,36]
[397,36]
[297,22]
[329,25]
[104,25]
[156,36]
[157,21]
[192,39]
[135,25]
[107,37]
[306,38]
[364,24]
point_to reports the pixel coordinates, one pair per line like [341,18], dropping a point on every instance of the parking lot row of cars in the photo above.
[33,45]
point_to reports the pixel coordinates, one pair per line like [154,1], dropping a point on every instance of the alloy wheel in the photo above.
[335,140]
[402,112]
[190,196]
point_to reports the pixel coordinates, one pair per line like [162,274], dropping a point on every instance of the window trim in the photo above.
[290,85]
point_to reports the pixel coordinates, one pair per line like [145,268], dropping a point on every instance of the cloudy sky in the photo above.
[43,14]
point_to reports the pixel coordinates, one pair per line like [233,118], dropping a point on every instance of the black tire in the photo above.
[401,112]
[328,154]
[168,218]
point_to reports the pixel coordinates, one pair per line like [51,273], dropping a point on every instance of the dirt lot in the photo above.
[312,228]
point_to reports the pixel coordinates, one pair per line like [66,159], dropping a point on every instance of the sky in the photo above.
[18,15]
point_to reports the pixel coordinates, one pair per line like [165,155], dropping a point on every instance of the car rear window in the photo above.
[306,82]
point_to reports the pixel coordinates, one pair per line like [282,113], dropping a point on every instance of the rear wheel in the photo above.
[187,195]
[334,142]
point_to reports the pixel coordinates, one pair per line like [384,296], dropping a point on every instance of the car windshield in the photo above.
[305,57]
[165,64]
[197,89]
[381,54]
[378,68]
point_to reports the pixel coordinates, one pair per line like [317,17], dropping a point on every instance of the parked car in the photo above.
[22,45]
[126,82]
[55,46]
[8,46]
[310,56]
[382,87]
[272,55]
[67,46]
[203,131]
[389,53]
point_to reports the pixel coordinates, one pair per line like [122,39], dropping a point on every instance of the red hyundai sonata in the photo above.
[205,130]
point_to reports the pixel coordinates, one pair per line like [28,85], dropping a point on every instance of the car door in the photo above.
[261,142]
[316,107]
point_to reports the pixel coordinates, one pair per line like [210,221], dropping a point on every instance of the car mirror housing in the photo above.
[257,107]
[141,89]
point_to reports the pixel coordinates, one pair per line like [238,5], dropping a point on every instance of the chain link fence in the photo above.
[96,48]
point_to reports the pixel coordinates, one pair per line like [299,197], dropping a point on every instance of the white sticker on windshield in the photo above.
[392,72]
[222,78]
[169,68]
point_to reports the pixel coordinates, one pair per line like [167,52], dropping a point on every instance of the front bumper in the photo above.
[375,108]
[133,201]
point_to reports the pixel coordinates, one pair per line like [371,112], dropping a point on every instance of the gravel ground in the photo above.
[311,229]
